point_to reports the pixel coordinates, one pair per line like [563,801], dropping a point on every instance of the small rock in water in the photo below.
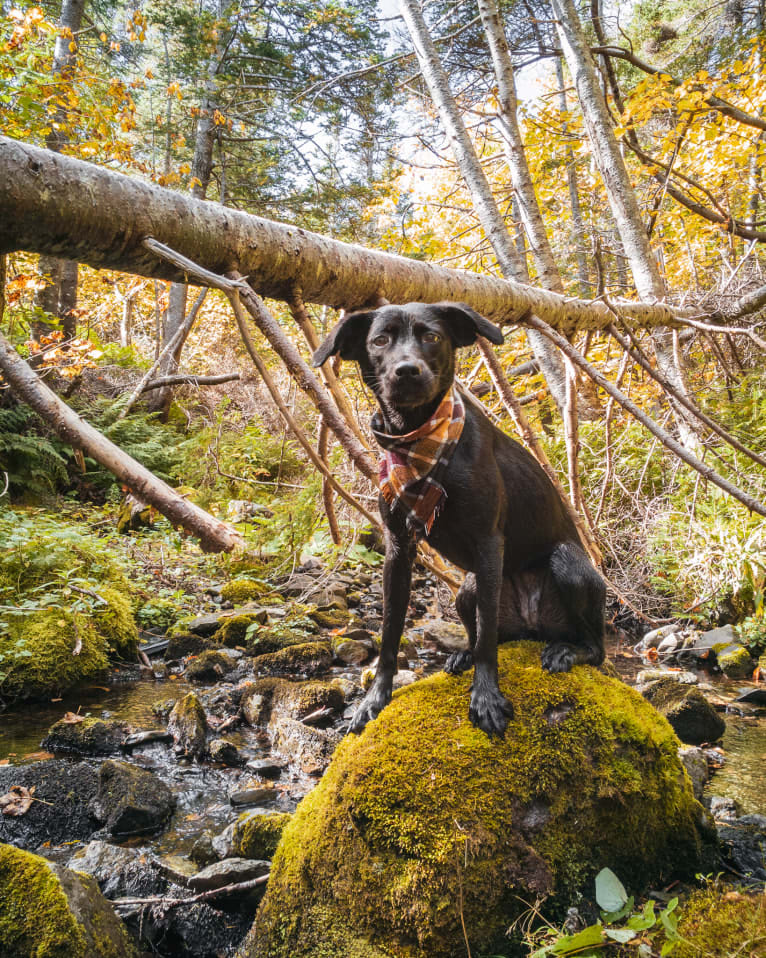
[146,738]
[652,639]
[693,718]
[735,661]
[130,800]
[91,736]
[754,696]
[723,809]
[256,795]
[230,871]
[188,726]
[744,844]
[695,763]
[310,748]
[225,753]
[265,767]
[202,851]
[106,863]
[647,676]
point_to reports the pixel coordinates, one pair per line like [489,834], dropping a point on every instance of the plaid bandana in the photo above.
[413,464]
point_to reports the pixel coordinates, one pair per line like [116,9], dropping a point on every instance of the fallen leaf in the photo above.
[17,801]
[5,761]
[37,756]
[652,655]
[72,718]
[758,674]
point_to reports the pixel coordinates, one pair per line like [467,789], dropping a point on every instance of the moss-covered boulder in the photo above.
[131,800]
[720,921]
[736,662]
[308,658]
[188,726]
[114,621]
[332,618]
[256,834]
[234,629]
[238,591]
[91,736]
[423,822]
[211,666]
[47,911]
[272,698]
[693,718]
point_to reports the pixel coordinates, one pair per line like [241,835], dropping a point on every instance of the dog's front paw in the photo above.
[490,710]
[459,662]
[370,707]
[558,657]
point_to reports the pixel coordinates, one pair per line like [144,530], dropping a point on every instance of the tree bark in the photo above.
[56,204]
[58,296]
[492,222]
[215,536]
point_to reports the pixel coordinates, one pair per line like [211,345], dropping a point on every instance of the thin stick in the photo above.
[665,438]
[190,380]
[329,508]
[209,895]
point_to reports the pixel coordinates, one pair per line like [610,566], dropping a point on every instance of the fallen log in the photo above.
[214,535]
[62,206]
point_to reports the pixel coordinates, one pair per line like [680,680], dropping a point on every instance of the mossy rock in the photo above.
[271,638]
[92,736]
[308,658]
[116,623]
[131,800]
[47,911]
[256,835]
[187,724]
[423,812]
[233,630]
[210,666]
[330,618]
[736,662]
[693,718]
[38,655]
[298,699]
[720,921]
[238,591]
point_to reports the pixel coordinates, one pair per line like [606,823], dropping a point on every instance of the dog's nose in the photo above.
[408,370]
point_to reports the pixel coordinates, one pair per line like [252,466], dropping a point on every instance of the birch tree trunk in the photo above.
[620,193]
[58,295]
[482,199]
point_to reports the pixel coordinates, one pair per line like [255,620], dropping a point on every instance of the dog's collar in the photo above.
[413,463]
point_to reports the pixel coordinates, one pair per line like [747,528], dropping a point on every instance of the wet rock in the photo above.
[309,658]
[693,718]
[188,726]
[321,594]
[735,662]
[743,842]
[256,834]
[131,800]
[254,795]
[403,677]
[299,699]
[694,761]
[652,639]
[204,625]
[202,852]
[266,767]
[449,636]
[199,931]
[182,644]
[47,910]
[229,871]
[211,666]
[307,747]
[64,790]
[222,843]
[754,696]
[92,736]
[177,869]
[225,753]
[375,814]
[119,871]
[704,647]
[256,706]
[148,737]
[723,808]
[352,651]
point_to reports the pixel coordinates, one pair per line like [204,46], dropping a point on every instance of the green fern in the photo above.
[30,460]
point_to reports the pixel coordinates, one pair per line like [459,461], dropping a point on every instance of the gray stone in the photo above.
[265,767]
[202,851]
[106,863]
[694,720]
[229,871]
[723,809]
[353,651]
[449,636]
[205,625]
[225,753]
[695,763]
[754,696]
[222,843]
[647,676]
[652,639]
[188,726]
[309,748]
[744,845]
[735,661]
[136,739]
[254,795]
[92,736]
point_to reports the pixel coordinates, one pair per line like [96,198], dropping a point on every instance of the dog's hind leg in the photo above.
[465,603]
[581,594]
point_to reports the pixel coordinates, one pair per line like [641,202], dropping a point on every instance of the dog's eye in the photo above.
[381,340]
[430,337]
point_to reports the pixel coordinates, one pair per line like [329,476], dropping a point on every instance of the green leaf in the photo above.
[609,917]
[568,944]
[623,935]
[610,892]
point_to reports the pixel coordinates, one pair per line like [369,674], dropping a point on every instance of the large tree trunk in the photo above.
[620,193]
[483,201]
[215,536]
[55,204]
[58,294]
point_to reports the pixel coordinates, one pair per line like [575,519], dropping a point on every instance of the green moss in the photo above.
[38,655]
[299,699]
[722,922]
[233,630]
[37,918]
[330,618]
[158,613]
[238,591]
[116,624]
[735,662]
[304,658]
[257,835]
[423,811]
[271,638]
[209,666]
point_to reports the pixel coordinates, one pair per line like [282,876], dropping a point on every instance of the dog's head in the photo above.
[407,353]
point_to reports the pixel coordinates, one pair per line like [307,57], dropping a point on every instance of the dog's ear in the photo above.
[346,338]
[465,324]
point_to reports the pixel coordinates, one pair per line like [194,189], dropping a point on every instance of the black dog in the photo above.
[502,520]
